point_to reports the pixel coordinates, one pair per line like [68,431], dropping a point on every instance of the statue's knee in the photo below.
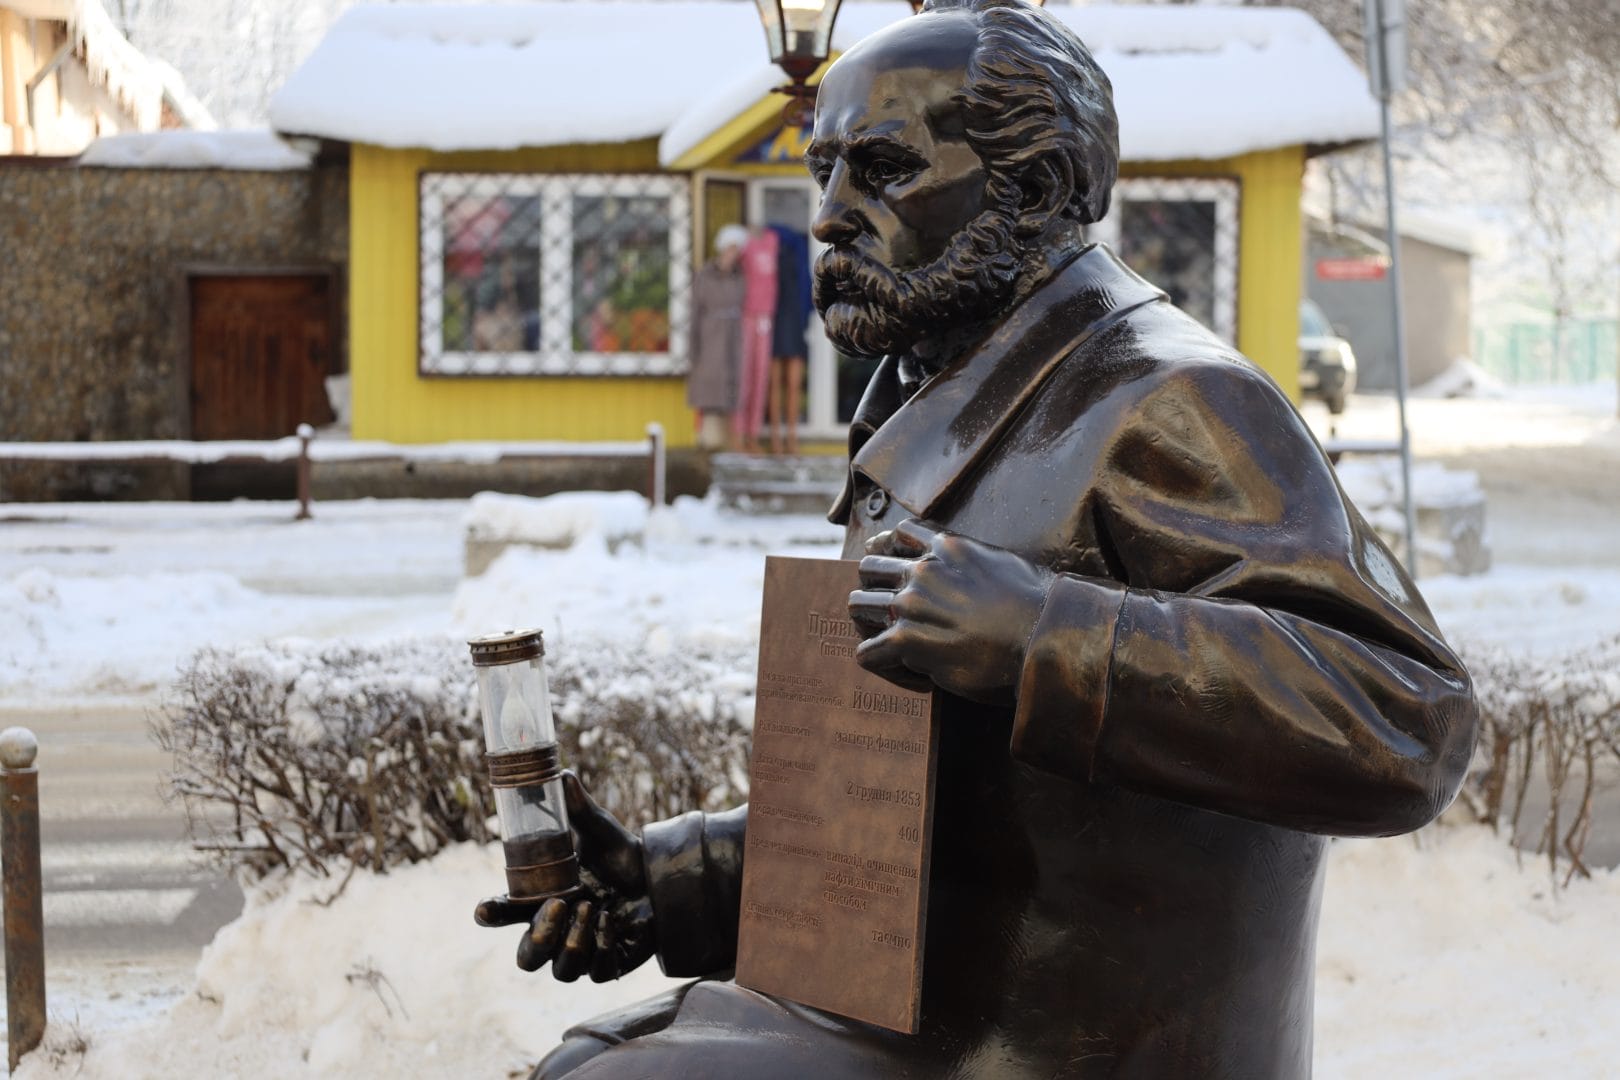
[575,1051]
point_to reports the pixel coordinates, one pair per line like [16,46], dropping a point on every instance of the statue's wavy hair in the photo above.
[1036,101]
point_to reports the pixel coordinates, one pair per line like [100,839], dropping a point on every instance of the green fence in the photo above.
[1575,351]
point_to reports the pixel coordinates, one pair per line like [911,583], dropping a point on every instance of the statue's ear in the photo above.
[1049,187]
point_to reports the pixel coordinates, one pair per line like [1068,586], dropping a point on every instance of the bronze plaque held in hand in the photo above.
[835,873]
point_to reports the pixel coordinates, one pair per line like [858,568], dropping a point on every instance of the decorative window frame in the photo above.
[1227,195]
[556,355]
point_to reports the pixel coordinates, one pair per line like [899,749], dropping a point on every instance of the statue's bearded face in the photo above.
[915,248]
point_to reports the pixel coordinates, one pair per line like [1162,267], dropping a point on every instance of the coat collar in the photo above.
[918,450]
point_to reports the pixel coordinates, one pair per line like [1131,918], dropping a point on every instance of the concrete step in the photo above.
[778,485]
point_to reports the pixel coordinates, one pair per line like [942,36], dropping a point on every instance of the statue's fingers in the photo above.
[500,911]
[574,958]
[540,943]
[872,609]
[880,543]
[913,537]
[887,655]
[605,961]
[885,572]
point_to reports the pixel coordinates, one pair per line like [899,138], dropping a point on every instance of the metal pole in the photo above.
[656,464]
[24,909]
[305,434]
[1385,92]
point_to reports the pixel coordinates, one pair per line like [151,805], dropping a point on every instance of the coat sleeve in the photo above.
[1262,654]
[694,877]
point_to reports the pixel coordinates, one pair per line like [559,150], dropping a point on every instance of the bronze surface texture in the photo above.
[835,890]
[1170,657]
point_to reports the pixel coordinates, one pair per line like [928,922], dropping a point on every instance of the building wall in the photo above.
[1436,302]
[1435,288]
[93,344]
[1270,240]
[392,401]
[69,110]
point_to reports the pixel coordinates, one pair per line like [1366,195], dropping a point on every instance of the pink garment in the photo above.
[759,313]
[759,273]
[756,372]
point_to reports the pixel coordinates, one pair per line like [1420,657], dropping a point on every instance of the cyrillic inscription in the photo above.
[841,773]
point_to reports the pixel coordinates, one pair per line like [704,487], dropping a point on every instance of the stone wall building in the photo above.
[130,288]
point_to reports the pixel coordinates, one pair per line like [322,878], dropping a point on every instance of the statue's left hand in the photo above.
[606,927]
[940,608]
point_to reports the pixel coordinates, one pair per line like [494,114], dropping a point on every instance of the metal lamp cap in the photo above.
[507,647]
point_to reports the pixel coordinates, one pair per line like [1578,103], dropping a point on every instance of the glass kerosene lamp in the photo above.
[521,744]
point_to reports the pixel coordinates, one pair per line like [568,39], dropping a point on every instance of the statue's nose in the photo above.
[836,221]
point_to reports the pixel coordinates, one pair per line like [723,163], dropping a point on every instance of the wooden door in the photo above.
[261,349]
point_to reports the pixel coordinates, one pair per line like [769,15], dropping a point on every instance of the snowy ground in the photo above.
[1439,958]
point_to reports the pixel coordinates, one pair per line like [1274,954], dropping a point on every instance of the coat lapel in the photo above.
[918,450]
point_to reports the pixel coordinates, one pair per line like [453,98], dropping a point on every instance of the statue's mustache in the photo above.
[843,275]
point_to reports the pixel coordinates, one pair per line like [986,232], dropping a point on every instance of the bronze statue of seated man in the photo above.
[1172,657]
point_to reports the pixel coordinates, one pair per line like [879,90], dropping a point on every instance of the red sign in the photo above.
[1370,268]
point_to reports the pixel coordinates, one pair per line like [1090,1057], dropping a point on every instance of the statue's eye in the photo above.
[883,172]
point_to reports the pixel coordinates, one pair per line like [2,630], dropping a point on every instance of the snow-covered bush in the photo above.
[1546,725]
[328,757]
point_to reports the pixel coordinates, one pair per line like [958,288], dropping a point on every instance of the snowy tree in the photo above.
[1512,113]
[234,54]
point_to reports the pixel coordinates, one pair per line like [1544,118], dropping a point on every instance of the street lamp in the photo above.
[799,36]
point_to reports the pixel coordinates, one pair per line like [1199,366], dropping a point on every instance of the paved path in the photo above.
[128,904]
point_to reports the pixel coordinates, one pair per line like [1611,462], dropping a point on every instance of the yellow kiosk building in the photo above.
[531,187]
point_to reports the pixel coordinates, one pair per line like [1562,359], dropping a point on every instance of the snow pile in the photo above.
[1439,958]
[1442,958]
[1449,505]
[246,151]
[494,521]
[1373,483]
[1463,378]
[391,979]
[107,600]
[660,600]
[1542,612]
[91,634]
[1188,82]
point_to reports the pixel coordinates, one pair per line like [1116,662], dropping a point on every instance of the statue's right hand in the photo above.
[606,928]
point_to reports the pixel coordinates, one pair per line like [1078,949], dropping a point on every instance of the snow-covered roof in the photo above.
[1443,229]
[1446,230]
[1189,82]
[262,150]
[136,82]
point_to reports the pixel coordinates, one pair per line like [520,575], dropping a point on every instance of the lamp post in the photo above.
[798,34]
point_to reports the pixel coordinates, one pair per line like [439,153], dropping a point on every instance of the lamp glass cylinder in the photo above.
[798,32]
[770,17]
[807,27]
[521,739]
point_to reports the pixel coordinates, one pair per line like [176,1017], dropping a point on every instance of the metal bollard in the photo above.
[655,465]
[24,908]
[305,434]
